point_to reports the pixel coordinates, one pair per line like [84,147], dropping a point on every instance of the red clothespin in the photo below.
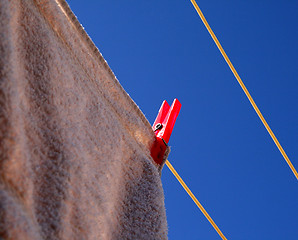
[163,127]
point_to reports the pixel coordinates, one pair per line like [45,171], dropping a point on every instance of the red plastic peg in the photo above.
[163,127]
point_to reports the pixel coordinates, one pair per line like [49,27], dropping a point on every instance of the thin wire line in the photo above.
[244,88]
[195,199]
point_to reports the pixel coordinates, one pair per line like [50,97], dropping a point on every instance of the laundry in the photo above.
[74,148]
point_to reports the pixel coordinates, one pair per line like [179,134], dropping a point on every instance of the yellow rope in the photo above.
[244,88]
[195,199]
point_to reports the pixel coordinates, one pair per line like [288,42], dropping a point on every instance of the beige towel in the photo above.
[74,148]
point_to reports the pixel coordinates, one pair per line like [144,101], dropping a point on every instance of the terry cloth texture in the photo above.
[74,148]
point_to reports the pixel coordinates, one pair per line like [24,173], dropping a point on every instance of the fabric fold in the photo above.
[74,147]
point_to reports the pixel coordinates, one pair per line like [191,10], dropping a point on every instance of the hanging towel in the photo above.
[74,147]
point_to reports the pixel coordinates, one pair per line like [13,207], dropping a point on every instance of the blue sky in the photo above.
[161,50]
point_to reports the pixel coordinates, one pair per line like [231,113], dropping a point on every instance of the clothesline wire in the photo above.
[244,88]
[169,165]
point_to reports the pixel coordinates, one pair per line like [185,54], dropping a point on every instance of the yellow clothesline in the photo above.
[195,199]
[244,88]
[169,165]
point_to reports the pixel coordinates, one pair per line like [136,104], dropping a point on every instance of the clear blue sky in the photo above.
[161,50]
